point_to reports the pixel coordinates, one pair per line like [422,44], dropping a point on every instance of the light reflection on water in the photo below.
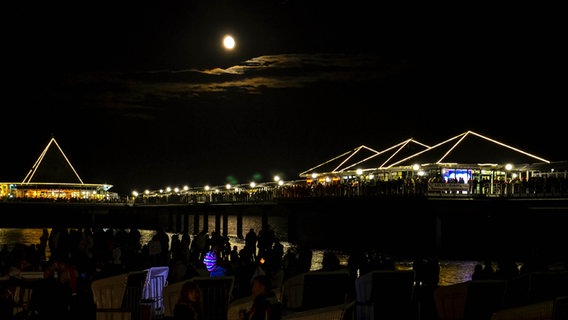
[451,272]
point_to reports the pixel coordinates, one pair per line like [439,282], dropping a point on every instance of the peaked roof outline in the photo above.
[460,138]
[395,157]
[345,156]
[400,147]
[384,156]
[37,164]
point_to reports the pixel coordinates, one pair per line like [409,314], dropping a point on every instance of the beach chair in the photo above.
[450,301]
[22,289]
[560,311]
[152,291]
[324,289]
[553,309]
[131,296]
[547,285]
[344,311]
[517,293]
[216,293]
[21,297]
[170,296]
[535,311]
[385,294]
[108,294]
[245,303]
[484,297]
[316,289]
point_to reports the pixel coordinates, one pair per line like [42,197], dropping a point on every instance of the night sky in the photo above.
[145,96]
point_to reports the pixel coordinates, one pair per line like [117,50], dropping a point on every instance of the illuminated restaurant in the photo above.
[53,177]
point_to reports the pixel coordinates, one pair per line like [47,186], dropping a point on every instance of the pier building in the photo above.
[465,165]
[53,177]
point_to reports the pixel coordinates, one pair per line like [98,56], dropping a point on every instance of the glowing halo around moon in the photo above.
[229,42]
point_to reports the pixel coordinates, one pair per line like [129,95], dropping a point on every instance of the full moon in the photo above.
[229,42]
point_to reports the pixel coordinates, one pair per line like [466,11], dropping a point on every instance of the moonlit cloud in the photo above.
[138,92]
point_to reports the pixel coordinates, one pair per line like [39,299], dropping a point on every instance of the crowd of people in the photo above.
[70,259]
[73,258]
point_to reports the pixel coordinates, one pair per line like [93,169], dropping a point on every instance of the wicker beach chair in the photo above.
[385,294]
[450,301]
[216,293]
[132,295]
[534,311]
[316,289]
[484,297]
[108,294]
[343,311]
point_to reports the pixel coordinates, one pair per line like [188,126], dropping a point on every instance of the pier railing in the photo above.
[300,189]
[552,188]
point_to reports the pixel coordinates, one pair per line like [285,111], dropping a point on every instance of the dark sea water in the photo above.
[451,271]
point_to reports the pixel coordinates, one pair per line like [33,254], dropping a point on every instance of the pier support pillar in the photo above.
[218,222]
[185,222]
[205,221]
[438,235]
[240,224]
[178,221]
[196,222]
[171,220]
[225,223]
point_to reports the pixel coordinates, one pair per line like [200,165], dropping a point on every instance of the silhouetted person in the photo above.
[43,239]
[506,269]
[488,271]
[290,263]
[214,264]
[251,239]
[234,257]
[330,262]
[477,272]
[305,255]
[277,253]
[427,277]
[265,240]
